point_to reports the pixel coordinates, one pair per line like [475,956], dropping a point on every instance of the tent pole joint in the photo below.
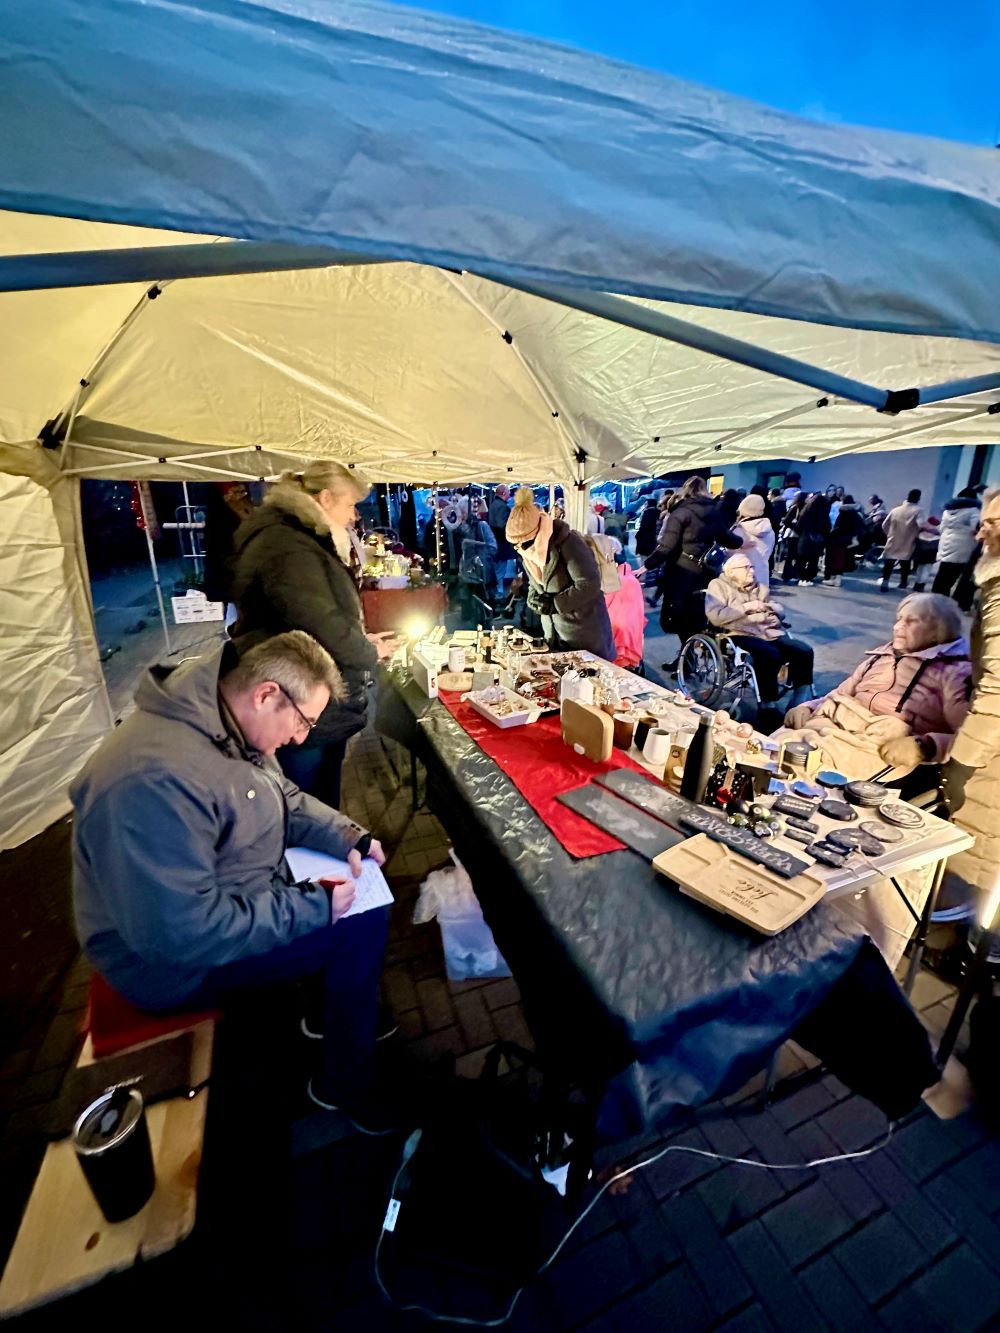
[900,400]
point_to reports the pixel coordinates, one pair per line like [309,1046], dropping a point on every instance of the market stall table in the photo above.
[396,608]
[641,996]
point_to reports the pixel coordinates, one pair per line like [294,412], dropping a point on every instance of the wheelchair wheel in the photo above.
[701,670]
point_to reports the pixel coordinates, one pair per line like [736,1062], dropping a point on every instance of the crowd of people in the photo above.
[182,892]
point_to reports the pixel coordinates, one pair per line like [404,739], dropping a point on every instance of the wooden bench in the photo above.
[64,1242]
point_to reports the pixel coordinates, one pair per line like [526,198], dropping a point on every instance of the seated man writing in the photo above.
[736,603]
[904,702]
[181,888]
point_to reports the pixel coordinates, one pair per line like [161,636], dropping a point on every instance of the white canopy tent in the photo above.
[458,256]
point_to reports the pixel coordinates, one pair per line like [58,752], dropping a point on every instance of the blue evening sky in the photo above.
[925,66]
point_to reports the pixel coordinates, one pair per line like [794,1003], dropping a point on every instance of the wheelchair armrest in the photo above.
[932,801]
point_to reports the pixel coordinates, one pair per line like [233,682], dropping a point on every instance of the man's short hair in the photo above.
[913,496]
[293,660]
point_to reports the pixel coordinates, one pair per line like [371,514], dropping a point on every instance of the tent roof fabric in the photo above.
[408,136]
[405,372]
[465,161]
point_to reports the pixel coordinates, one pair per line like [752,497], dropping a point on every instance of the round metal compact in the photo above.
[829,777]
[866,794]
[838,810]
[903,816]
[882,833]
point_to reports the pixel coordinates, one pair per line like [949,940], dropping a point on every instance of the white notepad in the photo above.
[371,886]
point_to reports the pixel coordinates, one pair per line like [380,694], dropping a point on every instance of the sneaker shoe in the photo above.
[670,667]
[367,1117]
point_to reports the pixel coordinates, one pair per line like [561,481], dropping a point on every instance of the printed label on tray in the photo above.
[747,893]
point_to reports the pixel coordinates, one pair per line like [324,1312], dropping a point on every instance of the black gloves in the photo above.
[542,603]
[954,776]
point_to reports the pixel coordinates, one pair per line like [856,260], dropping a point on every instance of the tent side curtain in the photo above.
[54,708]
[406,136]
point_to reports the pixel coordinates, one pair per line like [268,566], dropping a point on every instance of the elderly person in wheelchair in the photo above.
[903,703]
[736,604]
[900,708]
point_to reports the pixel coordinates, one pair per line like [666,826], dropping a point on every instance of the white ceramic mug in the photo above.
[656,746]
[456,658]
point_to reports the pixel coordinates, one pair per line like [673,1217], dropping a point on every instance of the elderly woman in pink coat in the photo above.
[904,702]
[902,706]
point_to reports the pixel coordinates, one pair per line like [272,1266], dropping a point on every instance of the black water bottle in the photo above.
[698,764]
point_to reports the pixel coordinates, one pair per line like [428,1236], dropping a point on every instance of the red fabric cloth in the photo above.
[394,608]
[541,767]
[115,1024]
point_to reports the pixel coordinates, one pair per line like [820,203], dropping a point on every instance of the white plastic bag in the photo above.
[469,947]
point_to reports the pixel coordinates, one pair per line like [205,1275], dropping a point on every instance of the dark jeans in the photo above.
[790,569]
[315,769]
[769,655]
[810,550]
[904,571]
[347,957]
[952,579]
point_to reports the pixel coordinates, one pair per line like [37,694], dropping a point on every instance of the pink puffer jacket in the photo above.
[939,681]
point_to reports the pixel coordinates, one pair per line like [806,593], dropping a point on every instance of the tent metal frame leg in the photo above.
[159,592]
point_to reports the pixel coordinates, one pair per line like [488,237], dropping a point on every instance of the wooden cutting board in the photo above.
[723,879]
[589,728]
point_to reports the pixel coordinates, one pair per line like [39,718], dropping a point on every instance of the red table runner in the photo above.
[541,767]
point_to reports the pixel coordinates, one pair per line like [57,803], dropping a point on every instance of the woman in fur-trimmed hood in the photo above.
[291,570]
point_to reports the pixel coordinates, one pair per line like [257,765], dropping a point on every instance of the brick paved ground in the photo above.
[908,1238]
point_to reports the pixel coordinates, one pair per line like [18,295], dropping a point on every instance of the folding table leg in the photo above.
[770,1076]
[414,781]
[582,1160]
[920,938]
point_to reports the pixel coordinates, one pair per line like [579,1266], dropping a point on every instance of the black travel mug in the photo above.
[111,1139]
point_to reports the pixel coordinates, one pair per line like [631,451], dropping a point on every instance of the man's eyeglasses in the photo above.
[307,722]
[525,546]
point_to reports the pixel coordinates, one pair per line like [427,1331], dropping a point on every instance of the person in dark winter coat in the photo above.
[813,528]
[564,582]
[292,570]
[694,524]
[499,513]
[182,893]
[727,506]
[227,505]
[845,534]
[790,534]
[645,536]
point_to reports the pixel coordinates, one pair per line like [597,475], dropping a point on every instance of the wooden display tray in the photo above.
[720,878]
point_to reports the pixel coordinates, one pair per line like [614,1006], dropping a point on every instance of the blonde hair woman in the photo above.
[292,570]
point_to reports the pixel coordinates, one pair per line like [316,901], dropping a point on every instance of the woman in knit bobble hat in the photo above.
[564,586]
